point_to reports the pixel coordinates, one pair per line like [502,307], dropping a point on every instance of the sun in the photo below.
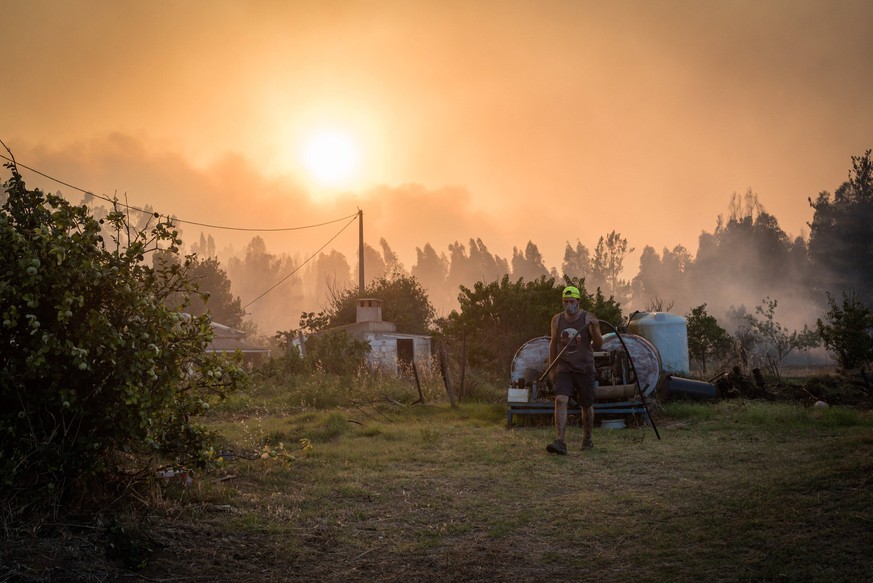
[332,158]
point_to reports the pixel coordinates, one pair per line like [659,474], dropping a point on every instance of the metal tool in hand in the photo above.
[554,361]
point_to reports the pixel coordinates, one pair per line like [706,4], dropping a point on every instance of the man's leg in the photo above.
[560,446]
[561,415]
[585,396]
[587,426]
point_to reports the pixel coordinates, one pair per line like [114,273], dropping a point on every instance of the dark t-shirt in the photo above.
[579,356]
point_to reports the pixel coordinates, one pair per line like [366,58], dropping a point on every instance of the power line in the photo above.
[296,269]
[353,217]
[178,220]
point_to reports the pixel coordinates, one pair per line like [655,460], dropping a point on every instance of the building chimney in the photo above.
[369,310]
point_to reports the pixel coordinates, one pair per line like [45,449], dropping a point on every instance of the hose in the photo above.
[636,377]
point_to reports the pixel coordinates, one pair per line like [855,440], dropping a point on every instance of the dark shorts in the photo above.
[578,385]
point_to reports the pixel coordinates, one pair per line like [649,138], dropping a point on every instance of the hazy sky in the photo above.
[510,121]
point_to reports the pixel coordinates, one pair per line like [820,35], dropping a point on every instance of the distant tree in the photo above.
[840,245]
[608,264]
[482,262]
[267,285]
[392,261]
[212,281]
[332,274]
[431,270]
[529,264]
[205,248]
[707,341]
[478,265]
[577,261]
[775,342]
[659,279]
[647,282]
[745,207]
[847,332]
[798,269]
[374,266]
[752,249]
[212,286]
[749,254]
[460,270]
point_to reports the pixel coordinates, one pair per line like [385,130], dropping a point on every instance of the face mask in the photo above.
[571,309]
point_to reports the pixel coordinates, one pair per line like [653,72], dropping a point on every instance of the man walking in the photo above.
[575,335]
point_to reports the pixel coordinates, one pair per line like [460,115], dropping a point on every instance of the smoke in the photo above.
[401,219]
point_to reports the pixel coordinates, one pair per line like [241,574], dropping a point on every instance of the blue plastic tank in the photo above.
[669,334]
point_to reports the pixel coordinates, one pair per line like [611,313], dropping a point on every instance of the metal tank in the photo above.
[669,334]
[528,364]
[615,368]
[645,360]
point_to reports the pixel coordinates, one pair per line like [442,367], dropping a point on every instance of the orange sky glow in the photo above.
[509,121]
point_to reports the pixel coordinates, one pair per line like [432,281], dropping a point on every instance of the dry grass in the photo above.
[735,491]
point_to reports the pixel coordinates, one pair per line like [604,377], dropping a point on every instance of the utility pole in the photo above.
[361,252]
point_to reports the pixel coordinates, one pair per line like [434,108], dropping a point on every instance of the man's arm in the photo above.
[553,342]
[594,331]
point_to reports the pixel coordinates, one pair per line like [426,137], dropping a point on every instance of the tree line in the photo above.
[746,261]
[745,258]
[752,295]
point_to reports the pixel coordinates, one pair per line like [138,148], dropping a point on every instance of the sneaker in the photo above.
[588,444]
[558,447]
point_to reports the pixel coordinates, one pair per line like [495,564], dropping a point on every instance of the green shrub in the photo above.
[335,352]
[847,332]
[96,371]
[331,351]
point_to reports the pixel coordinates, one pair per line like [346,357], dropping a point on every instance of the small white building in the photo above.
[227,340]
[388,347]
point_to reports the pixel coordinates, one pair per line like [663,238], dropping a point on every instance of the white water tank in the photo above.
[669,334]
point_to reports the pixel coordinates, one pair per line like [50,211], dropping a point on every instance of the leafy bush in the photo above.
[336,352]
[331,351]
[707,341]
[96,371]
[405,303]
[847,332]
[774,342]
[497,318]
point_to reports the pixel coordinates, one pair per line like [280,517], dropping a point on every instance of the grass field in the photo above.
[734,491]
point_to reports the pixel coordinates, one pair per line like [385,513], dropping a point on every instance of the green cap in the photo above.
[571,292]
